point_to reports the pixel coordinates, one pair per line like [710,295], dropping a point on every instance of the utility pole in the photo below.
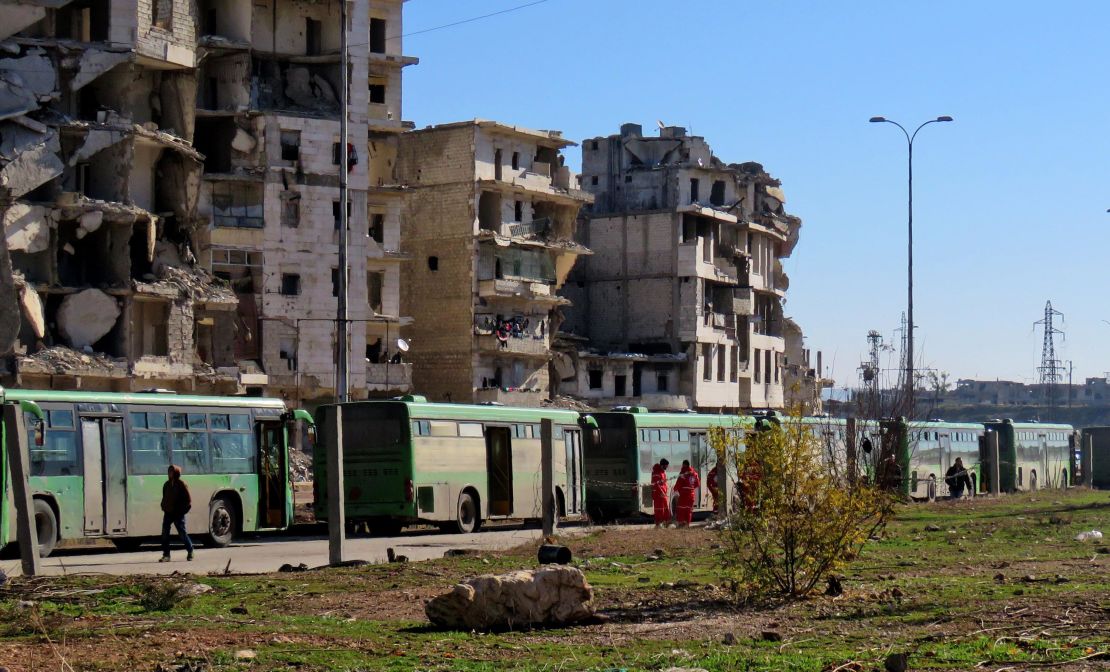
[343,357]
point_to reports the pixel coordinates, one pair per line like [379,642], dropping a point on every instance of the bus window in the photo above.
[443,428]
[149,451]
[178,421]
[190,452]
[57,456]
[197,421]
[471,429]
[219,422]
[232,453]
[240,423]
[156,420]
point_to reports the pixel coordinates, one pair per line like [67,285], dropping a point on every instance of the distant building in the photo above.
[489,221]
[681,304]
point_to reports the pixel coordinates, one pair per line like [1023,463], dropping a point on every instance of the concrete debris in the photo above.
[61,360]
[568,403]
[9,306]
[193,589]
[308,90]
[33,311]
[35,72]
[94,63]
[27,228]
[300,466]
[91,221]
[32,167]
[193,283]
[551,595]
[243,142]
[86,317]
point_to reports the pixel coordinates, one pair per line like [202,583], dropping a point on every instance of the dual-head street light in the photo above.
[909,383]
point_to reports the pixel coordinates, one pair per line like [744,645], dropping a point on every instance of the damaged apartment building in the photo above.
[681,305]
[99,184]
[490,217]
[269,88]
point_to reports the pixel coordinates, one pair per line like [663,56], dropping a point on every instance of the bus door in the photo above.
[105,476]
[499,471]
[272,474]
[572,438]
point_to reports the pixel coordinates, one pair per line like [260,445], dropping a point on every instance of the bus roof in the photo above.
[684,420]
[445,411]
[147,398]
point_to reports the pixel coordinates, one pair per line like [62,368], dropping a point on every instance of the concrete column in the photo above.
[19,459]
[337,520]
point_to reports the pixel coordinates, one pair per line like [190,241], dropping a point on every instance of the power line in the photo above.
[470,20]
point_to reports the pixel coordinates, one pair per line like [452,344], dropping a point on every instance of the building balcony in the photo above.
[494,395]
[522,289]
[692,262]
[389,377]
[529,346]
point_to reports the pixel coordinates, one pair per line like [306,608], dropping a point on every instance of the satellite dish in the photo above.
[402,345]
[662,126]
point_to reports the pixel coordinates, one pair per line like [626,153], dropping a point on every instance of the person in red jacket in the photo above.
[711,482]
[686,485]
[659,494]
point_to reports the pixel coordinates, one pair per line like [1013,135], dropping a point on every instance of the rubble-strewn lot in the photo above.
[986,585]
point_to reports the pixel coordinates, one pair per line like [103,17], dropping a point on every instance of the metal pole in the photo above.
[343,357]
[19,458]
[547,475]
[996,469]
[909,299]
[337,520]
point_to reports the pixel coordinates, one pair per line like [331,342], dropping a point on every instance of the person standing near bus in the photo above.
[659,494]
[176,502]
[711,483]
[686,485]
[957,478]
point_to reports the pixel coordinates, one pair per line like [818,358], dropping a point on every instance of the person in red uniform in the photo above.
[686,485]
[659,494]
[711,482]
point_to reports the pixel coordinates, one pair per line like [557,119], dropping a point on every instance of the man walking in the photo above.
[957,478]
[711,483]
[176,502]
[659,494]
[686,485]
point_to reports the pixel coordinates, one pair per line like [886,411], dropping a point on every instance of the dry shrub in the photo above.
[794,520]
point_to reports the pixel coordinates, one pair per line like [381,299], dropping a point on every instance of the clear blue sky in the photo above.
[1010,199]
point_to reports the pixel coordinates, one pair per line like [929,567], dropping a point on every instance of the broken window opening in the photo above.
[707,362]
[141,265]
[661,382]
[375,281]
[150,328]
[717,195]
[489,211]
[693,190]
[377,228]
[497,164]
[516,160]
[290,145]
[518,211]
[593,180]
[767,366]
[722,361]
[291,209]
[758,360]
[313,37]
[93,258]
[377,94]
[290,284]
[433,264]
[242,269]
[335,282]
[237,205]
[620,385]
[377,36]
[593,145]
[161,14]
[595,378]
[287,351]
[86,21]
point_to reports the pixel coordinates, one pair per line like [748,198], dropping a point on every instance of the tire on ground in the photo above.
[222,522]
[46,525]
[468,517]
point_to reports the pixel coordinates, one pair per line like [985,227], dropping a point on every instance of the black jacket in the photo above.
[956,475]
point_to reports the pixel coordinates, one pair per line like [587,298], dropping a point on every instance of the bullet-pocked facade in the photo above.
[489,222]
[681,305]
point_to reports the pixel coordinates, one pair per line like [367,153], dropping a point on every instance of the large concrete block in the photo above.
[86,317]
[27,228]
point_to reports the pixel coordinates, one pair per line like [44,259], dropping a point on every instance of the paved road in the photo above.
[266,554]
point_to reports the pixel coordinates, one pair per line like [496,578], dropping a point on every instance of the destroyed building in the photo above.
[268,124]
[99,182]
[681,305]
[490,217]
[803,380]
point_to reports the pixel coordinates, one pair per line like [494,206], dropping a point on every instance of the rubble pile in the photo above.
[567,403]
[551,595]
[300,466]
[194,283]
[61,360]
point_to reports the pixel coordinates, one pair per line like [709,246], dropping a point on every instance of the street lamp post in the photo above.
[909,267]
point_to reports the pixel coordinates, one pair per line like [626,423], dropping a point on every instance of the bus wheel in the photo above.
[221,522]
[468,518]
[46,525]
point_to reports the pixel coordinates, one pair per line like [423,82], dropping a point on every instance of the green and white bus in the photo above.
[98,469]
[411,462]
[631,441]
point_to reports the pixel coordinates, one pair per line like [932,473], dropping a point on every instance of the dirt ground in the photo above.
[981,585]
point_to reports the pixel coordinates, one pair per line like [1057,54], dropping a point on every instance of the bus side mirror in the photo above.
[40,434]
[311,435]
